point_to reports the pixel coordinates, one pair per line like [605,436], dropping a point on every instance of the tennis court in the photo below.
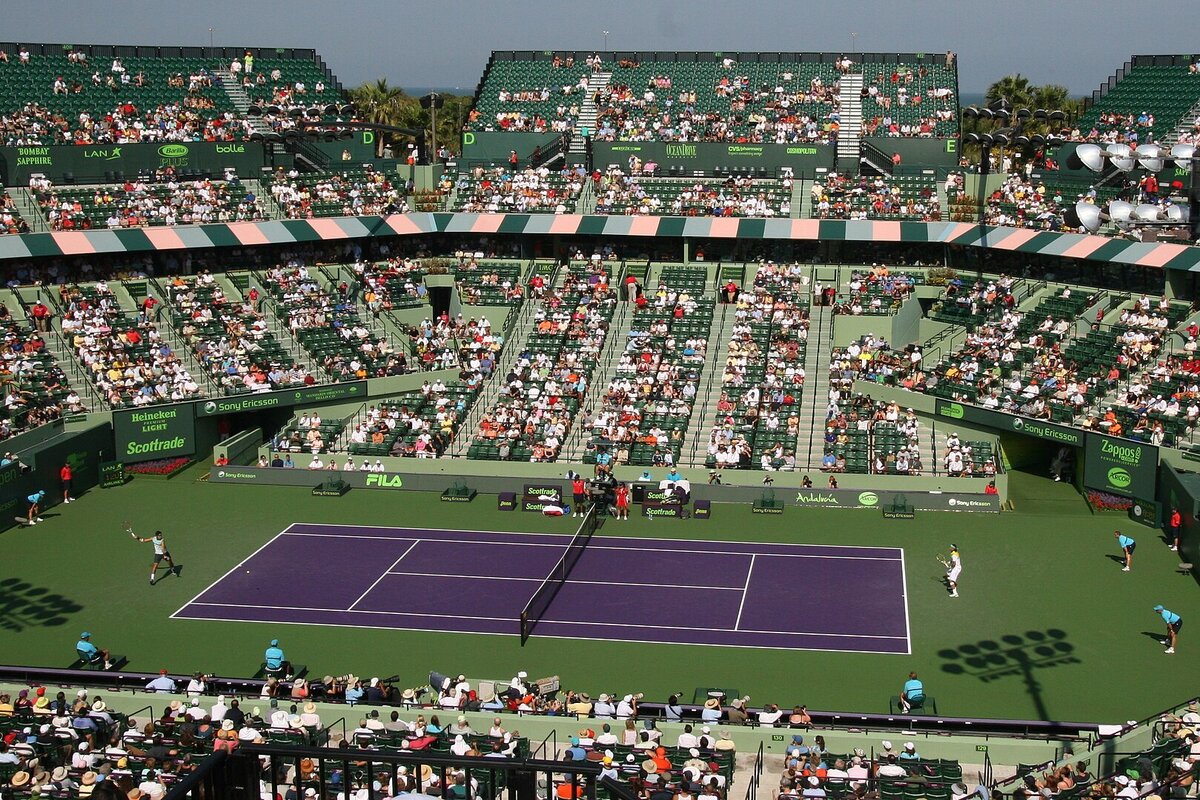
[732,594]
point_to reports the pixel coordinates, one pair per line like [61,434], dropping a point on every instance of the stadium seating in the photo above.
[123,351]
[1144,105]
[138,204]
[757,421]
[531,418]
[644,411]
[230,338]
[11,220]
[141,94]
[500,189]
[360,191]
[910,100]
[911,197]
[36,390]
[527,95]
[417,424]
[730,197]
[329,327]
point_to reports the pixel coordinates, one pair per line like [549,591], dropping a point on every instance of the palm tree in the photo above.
[380,104]
[1013,88]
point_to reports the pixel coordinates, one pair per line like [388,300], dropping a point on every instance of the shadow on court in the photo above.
[1157,636]
[1013,655]
[23,605]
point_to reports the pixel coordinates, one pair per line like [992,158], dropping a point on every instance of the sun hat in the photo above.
[226,724]
[88,779]
[426,773]
[58,774]
[20,778]
[649,767]
[712,703]
[309,708]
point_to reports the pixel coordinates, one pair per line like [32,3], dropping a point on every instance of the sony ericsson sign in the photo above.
[1009,422]
[285,397]
[1121,466]
[148,433]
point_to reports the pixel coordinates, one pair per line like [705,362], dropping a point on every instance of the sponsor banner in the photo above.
[544,492]
[674,510]
[889,514]
[892,501]
[804,159]
[1120,466]
[145,434]
[381,480]
[1011,423]
[112,473]
[281,399]
[90,162]
[761,509]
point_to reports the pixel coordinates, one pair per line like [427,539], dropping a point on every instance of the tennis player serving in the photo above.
[160,551]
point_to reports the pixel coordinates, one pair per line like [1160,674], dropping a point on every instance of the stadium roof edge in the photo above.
[1166,255]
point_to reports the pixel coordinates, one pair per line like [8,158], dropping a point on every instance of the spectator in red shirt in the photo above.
[41,316]
[64,475]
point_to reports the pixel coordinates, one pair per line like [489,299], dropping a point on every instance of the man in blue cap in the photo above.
[35,501]
[89,653]
[1127,545]
[276,661]
[1174,623]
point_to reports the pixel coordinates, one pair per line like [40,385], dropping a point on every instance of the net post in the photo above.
[524,628]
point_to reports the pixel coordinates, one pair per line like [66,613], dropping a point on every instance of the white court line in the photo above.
[386,572]
[548,621]
[904,598]
[594,545]
[549,636]
[232,569]
[568,536]
[589,583]
[745,589]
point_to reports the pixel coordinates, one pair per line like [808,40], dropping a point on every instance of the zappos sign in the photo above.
[1121,466]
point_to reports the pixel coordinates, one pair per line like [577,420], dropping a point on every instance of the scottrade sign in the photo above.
[148,433]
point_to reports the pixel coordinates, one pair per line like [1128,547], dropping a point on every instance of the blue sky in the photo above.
[446,43]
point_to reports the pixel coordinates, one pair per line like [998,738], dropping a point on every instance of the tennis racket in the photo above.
[942,561]
[129,529]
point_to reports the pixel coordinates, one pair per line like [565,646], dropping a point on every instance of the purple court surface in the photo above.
[733,594]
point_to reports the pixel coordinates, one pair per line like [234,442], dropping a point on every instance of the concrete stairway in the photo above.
[610,356]
[809,448]
[241,101]
[588,112]
[28,207]
[704,411]
[522,328]
[850,127]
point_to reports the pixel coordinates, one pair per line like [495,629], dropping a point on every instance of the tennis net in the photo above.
[544,596]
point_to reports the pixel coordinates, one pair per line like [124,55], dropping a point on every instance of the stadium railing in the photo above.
[1086,733]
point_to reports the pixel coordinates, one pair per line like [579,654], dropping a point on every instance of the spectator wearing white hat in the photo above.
[217,712]
[604,708]
[711,711]
[627,707]
[910,752]
[194,711]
